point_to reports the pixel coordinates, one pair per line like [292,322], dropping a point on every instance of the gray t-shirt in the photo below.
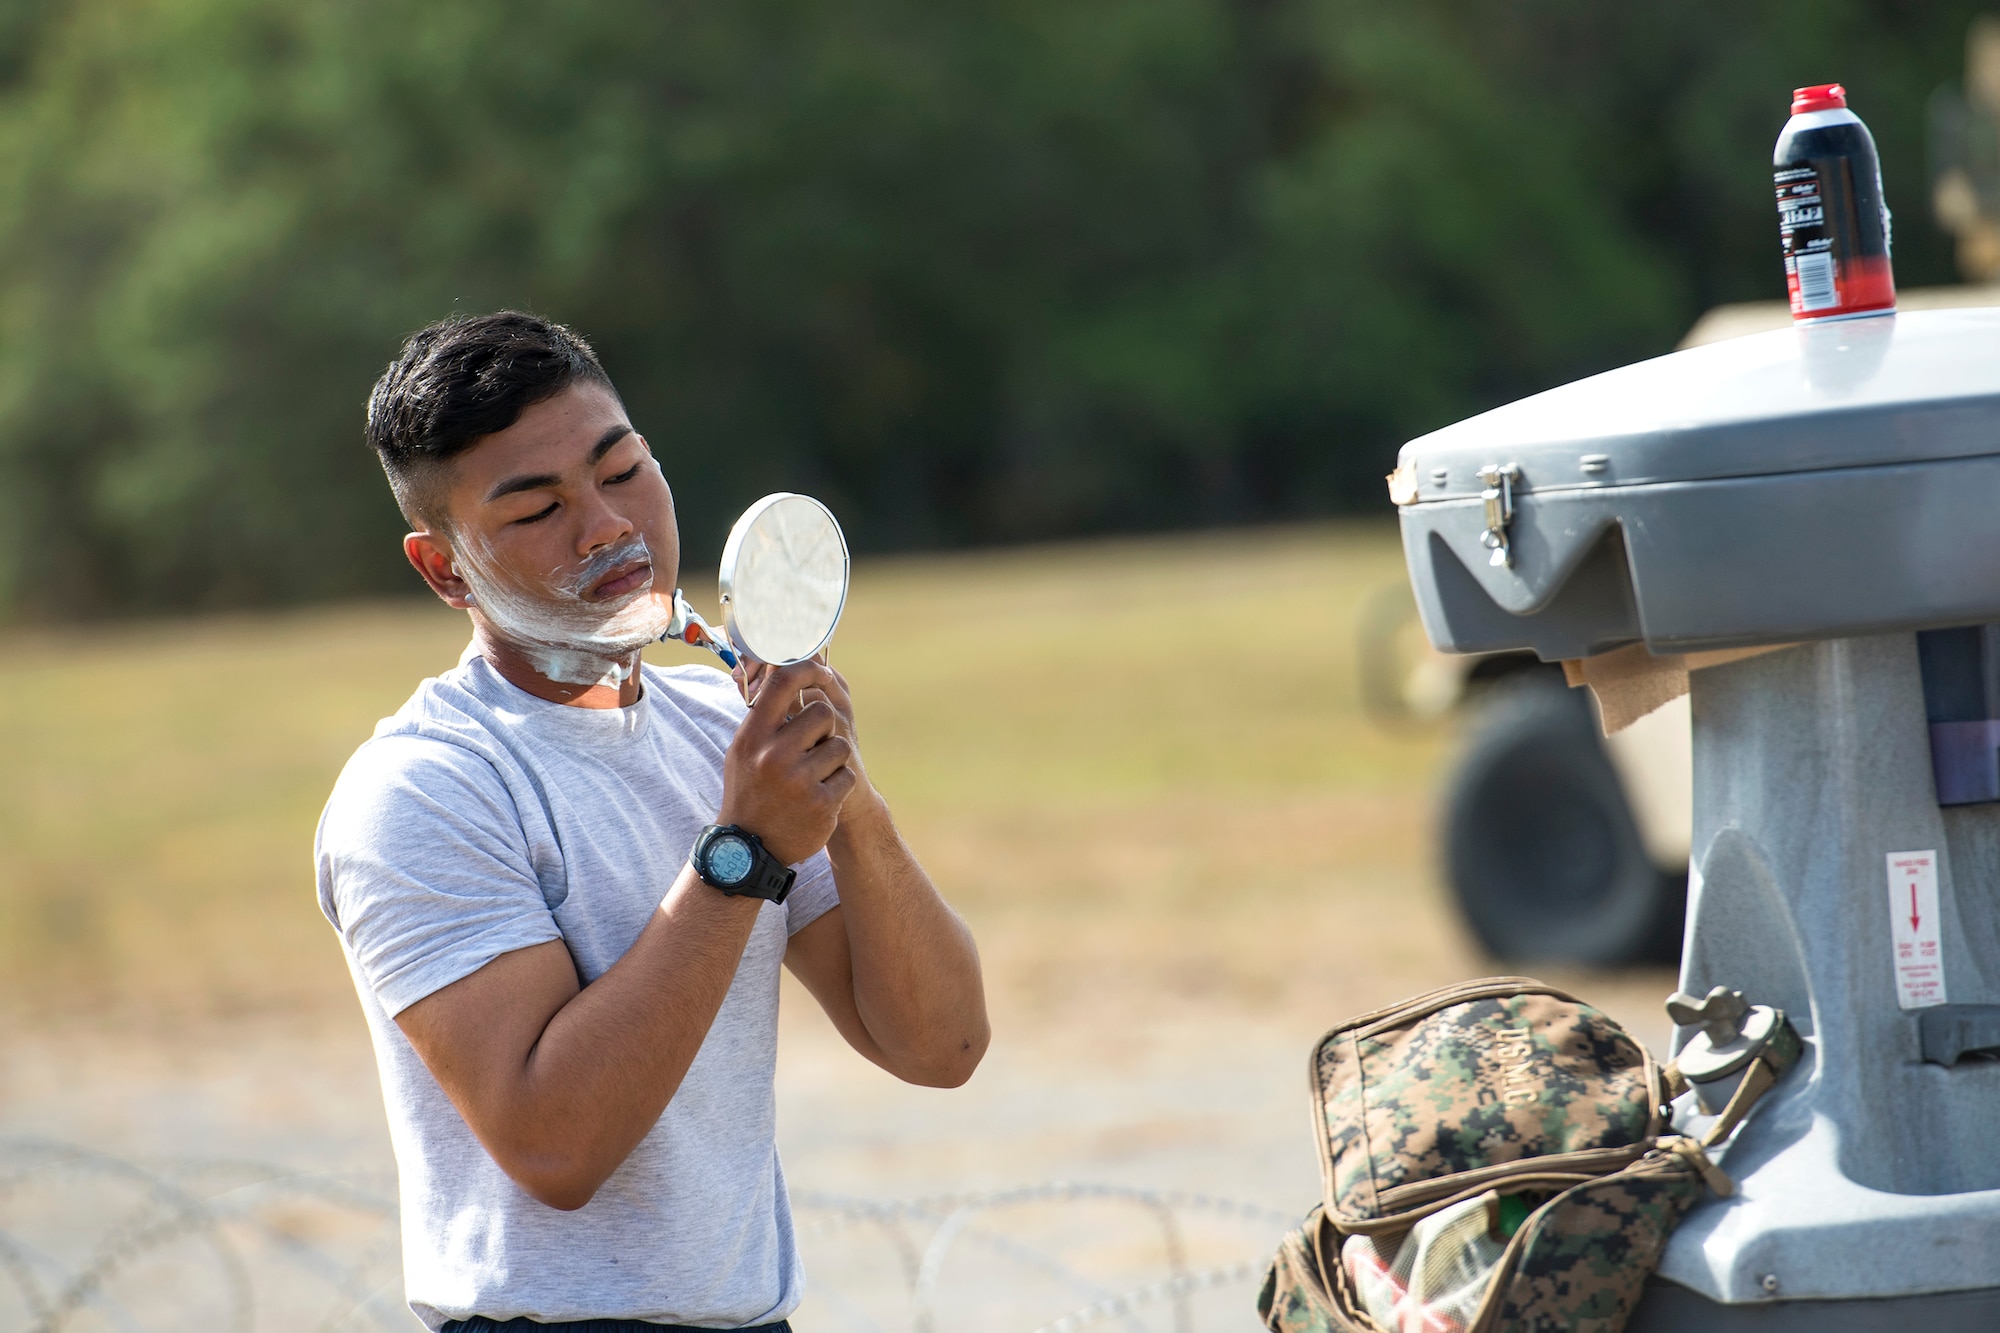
[479,820]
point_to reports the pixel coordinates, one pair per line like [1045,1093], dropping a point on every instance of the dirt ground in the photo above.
[1139,768]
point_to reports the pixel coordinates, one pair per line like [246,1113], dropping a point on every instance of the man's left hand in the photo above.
[862,797]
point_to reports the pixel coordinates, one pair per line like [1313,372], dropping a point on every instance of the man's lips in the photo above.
[626,578]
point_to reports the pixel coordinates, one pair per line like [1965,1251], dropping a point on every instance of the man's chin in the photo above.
[584,668]
[594,661]
[610,631]
[610,648]
[642,616]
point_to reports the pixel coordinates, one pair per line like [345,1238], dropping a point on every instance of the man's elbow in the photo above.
[564,1195]
[560,1181]
[953,1067]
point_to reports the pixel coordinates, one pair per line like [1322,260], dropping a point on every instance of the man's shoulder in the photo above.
[440,740]
[452,705]
[702,694]
[396,776]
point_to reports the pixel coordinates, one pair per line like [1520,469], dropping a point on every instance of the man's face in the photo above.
[561,536]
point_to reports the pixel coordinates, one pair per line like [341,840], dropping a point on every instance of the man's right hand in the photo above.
[786,773]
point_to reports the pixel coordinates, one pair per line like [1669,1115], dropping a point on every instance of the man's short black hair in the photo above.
[460,380]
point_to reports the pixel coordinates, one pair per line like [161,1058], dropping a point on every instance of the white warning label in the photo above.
[1913,929]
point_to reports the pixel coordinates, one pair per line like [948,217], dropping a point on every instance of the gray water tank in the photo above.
[1831,480]
[1834,487]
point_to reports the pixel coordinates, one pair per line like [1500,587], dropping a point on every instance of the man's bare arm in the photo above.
[559,1081]
[893,966]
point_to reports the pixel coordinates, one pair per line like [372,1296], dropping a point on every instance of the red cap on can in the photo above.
[1819,97]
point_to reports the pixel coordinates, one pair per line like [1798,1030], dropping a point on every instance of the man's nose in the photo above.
[602,525]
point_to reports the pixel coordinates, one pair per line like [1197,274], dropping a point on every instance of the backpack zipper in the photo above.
[1554,1182]
[1586,1162]
[1443,998]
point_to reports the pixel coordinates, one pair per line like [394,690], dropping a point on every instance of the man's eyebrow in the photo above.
[535,481]
[532,481]
[611,437]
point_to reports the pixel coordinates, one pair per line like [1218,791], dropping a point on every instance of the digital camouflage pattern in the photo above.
[1585,1256]
[1578,1265]
[1459,1080]
[1533,1090]
[1296,1296]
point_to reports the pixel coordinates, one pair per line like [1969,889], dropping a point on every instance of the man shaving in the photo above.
[564,880]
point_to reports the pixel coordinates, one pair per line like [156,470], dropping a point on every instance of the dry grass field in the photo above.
[1082,741]
[1140,768]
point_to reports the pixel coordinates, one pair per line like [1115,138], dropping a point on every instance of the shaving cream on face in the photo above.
[566,636]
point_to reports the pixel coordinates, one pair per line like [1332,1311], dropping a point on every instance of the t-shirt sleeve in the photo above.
[813,893]
[424,868]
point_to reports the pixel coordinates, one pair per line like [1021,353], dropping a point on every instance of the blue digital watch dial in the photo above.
[729,860]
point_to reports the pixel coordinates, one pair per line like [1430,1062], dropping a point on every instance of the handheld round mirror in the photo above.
[784,579]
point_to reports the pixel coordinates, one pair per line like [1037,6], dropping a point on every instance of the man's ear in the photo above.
[430,555]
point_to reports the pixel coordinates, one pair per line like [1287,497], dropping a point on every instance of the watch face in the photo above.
[729,859]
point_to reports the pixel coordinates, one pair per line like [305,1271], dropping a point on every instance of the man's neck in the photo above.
[619,687]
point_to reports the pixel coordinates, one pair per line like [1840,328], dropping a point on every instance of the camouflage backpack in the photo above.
[1494,1159]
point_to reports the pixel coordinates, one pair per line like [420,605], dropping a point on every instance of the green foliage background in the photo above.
[979,272]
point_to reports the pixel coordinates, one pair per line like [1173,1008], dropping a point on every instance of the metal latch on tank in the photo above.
[1499,479]
[1731,1033]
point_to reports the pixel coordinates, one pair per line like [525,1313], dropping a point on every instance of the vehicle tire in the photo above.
[1540,846]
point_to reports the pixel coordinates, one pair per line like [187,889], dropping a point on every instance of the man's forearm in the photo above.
[613,1057]
[916,979]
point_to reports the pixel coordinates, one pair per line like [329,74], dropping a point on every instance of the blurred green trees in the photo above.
[977,272]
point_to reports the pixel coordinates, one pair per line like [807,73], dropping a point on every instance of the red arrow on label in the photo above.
[1914,918]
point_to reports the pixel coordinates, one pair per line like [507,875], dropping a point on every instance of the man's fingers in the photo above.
[828,757]
[778,693]
[750,677]
[810,725]
[840,782]
[837,685]
[835,691]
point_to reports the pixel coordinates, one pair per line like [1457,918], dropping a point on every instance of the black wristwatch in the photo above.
[734,860]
